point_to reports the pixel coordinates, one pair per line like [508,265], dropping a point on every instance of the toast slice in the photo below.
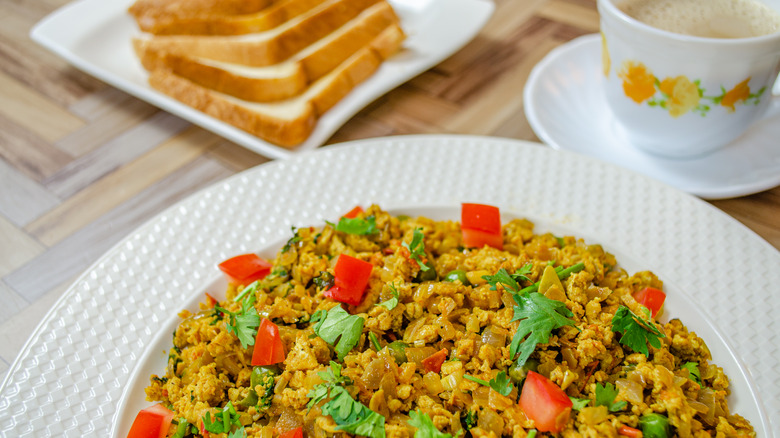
[147,12]
[289,122]
[280,81]
[220,23]
[269,47]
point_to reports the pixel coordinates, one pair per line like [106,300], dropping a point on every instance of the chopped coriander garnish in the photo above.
[417,249]
[605,396]
[243,323]
[292,241]
[325,280]
[350,416]
[501,383]
[470,419]
[538,316]
[424,425]
[579,403]
[250,289]
[391,302]
[356,225]
[335,324]
[238,433]
[693,371]
[636,332]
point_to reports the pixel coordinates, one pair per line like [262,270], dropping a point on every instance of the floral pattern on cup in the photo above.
[680,95]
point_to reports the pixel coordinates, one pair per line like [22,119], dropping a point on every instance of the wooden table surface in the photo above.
[83,164]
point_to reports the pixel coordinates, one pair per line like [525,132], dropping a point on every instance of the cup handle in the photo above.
[773,108]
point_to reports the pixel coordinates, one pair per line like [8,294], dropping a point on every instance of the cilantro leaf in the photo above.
[501,384]
[636,332]
[366,423]
[238,433]
[538,316]
[605,396]
[417,249]
[350,415]
[522,273]
[356,225]
[424,425]
[338,324]
[693,371]
[504,278]
[243,323]
[579,403]
[325,280]
[392,302]
[292,241]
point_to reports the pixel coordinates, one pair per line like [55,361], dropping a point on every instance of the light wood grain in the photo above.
[82,164]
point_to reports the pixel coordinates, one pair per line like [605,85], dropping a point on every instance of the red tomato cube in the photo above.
[245,269]
[152,422]
[545,402]
[651,298]
[351,277]
[269,349]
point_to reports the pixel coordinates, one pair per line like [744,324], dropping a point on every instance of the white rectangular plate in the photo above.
[95,36]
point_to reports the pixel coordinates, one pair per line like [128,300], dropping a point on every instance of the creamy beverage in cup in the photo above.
[705,18]
[686,77]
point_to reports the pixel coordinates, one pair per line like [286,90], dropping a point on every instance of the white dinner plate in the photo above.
[566,107]
[80,372]
[95,36]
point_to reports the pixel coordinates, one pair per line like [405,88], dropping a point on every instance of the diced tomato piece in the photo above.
[152,422]
[545,402]
[351,277]
[629,431]
[481,225]
[295,433]
[434,361]
[651,298]
[245,269]
[478,238]
[480,217]
[210,301]
[352,214]
[269,348]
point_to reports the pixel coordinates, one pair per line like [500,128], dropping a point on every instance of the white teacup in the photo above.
[678,95]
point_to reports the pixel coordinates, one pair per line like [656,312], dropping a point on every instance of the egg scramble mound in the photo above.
[440,345]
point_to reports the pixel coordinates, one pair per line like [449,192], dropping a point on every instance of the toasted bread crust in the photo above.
[356,34]
[265,52]
[268,125]
[225,24]
[149,12]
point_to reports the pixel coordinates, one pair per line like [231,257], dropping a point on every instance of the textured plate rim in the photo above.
[385,147]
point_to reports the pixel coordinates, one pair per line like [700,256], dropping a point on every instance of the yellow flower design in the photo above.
[638,81]
[606,62]
[683,95]
[740,92]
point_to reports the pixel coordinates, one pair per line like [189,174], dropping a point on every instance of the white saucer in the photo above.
[567,109]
